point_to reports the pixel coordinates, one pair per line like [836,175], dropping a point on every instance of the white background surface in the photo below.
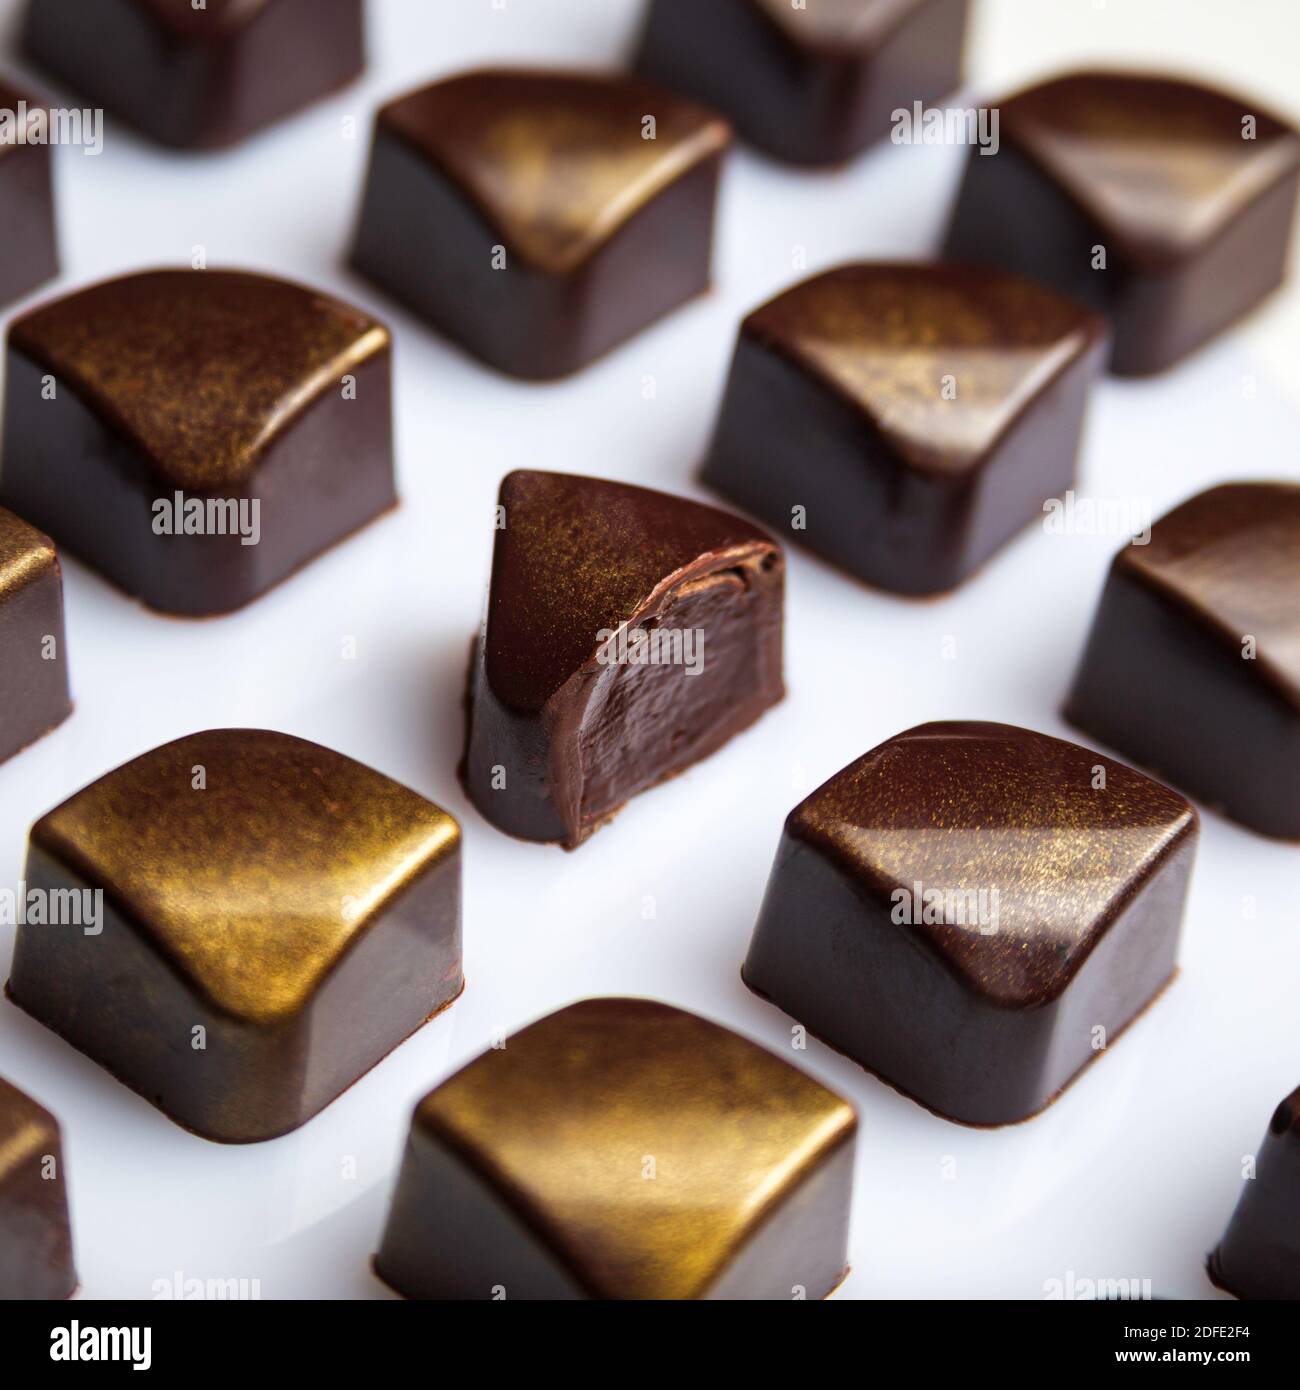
[1135,1171]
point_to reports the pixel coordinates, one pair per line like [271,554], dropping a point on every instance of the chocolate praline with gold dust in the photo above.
[193,75]
[196,436]
[629,634]
[807,83]
[539,218]
[904,421]
[34,695]
[26,196]
[974,912]
[1259,1255]
[1164,204]
[623,1149]
[1198,628]
[35,1234]
[275,919]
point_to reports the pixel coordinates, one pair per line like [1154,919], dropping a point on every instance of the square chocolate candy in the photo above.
[973,912]
[540,218]
[273,919]
[1192,667]
[197,435]
[629,634]
[810,83]
[33,664]
[905,421]
[1259,1255]
[623,1149]
[1163,204]
[197,75]
[35,1235]
[31,253]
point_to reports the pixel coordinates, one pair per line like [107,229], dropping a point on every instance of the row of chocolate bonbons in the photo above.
[560,1164]
[981,1004]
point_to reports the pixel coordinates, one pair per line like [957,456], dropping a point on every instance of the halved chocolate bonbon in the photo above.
[628,635]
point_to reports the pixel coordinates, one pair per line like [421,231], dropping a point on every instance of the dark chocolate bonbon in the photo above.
[628,635]
[623,1149]
[275,919]
[974,911]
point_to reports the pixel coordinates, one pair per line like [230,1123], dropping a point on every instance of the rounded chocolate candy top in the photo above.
[1058,836]
[200,369]
[557,162]
[1161,164]
[887,337]
[1230,559]
[642,1147]
[267,919]
[251,861]
[25,554]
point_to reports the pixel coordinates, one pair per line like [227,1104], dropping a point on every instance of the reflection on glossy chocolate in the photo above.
[1259,1256]
[623,1149]
[811,84]
[197,435]
[276,918]
[540,218]
[974,911]
[628,635]
[31,254]
[35,1237]
[904,421]
[1163,204]
[33,662]
[1198,632]
[192,75]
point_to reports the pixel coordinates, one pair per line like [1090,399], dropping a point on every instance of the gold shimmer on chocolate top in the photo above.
[27,1130]
[35,1239]
[200,369]
[563,1120]
[1231,558]
[254,886]
[967,805]
[25,554]
[1163,164]
[887,337]
[557,162]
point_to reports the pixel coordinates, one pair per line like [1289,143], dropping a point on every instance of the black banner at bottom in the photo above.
[975,1337]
